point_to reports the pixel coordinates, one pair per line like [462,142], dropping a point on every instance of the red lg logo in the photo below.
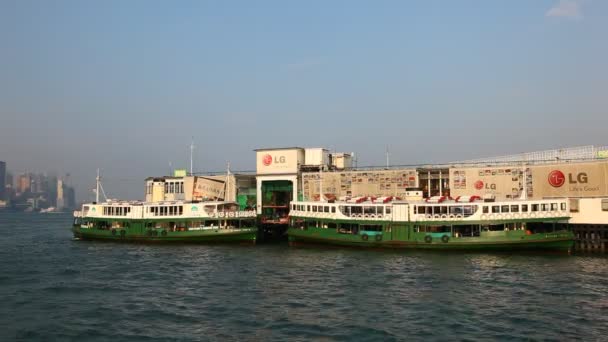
[479,185]
[267,160]
[556,178]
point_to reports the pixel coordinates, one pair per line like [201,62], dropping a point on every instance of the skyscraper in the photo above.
[2,180]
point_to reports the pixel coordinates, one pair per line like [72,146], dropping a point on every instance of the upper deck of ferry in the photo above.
[464,208]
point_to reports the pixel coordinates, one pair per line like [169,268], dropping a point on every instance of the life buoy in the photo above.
[533,214]
[483,216]
[445,239]
[366,216]
[428,239]
[222,214]
[458,216]
[436,216]
[429,216]
[444,216]
[379,237]
[114,232]
[163,233]
[452,216]
[231,214]
[364,237]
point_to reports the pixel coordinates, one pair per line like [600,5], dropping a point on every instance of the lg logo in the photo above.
[267,160]
[557,178]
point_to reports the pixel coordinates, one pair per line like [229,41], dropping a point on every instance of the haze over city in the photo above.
[123,86]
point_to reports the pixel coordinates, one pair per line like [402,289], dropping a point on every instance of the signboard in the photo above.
[360,183]
[539,181]
[572,180]
[206,188]
[502,182]
[180,173]
[279,161]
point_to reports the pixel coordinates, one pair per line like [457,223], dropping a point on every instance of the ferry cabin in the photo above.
[428,223]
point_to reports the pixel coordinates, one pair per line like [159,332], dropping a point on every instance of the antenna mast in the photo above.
[98,179]
[191,155]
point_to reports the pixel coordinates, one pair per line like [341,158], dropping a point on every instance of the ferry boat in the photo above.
[165,222]
[464,223]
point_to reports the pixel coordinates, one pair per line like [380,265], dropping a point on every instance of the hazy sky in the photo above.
[123,85]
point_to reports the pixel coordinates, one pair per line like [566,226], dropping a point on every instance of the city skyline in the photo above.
[124,86]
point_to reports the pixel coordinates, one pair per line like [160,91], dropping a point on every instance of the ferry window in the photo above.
[331,225]
[181,209]
[514,208]
[166,187]
[553,206]
[495,209]
[326,209]
[563,206]
[444,209]
[485,209]
[534,207]
[369,210]
[387,210]
[504,209]
[314,208]
[545,206]
[333,209]
[524,208]
[604,204]
[171,212]
[418,210]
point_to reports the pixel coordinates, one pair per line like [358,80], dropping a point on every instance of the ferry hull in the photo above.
[559,241]
[246,235]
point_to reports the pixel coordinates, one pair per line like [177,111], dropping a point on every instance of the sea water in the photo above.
[55,288]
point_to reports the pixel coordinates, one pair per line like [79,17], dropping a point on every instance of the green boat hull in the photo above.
[554,241]
[242,235]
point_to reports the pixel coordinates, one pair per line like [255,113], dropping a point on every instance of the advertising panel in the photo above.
[502,182]
[206,188]
[571,180]
[360,183]
[278,161]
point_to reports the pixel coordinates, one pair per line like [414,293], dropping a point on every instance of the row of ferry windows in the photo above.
[346,210]
[314,208]
[116,211]
[524,208]
[170,210]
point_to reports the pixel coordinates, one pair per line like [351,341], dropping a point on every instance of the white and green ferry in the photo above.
[175,221]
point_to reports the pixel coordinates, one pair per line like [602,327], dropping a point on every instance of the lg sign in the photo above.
[267,160]
[557,178]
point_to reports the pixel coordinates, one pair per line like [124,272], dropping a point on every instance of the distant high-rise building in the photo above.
[24,183]
[60,198]
[2,180]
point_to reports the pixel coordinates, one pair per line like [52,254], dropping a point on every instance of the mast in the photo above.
[227,183]
[191,154]
[98,179]
[387,160]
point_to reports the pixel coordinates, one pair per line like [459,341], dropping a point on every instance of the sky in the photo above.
[124,85]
